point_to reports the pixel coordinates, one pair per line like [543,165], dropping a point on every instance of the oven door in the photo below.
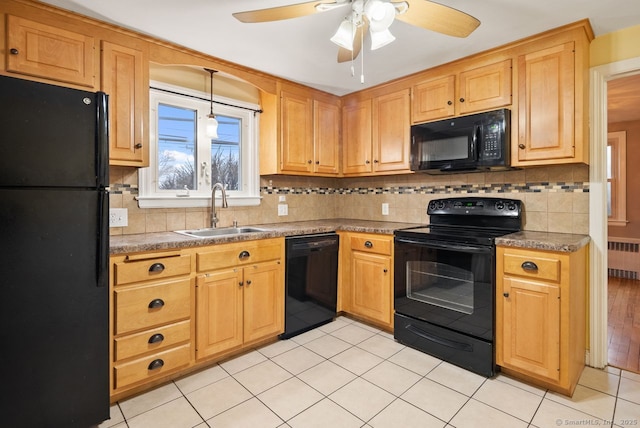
[450,285]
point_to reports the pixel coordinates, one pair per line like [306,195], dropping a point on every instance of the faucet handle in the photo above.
[235,223]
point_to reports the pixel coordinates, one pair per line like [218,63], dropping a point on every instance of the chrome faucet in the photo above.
[214,215]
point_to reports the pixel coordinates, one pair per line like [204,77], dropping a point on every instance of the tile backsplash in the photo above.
[556,199]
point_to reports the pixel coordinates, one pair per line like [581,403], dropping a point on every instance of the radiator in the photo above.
[624,257]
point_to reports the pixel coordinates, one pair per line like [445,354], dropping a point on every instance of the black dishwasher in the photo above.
[311,282]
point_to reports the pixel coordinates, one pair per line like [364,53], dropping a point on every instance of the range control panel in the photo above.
[495,207]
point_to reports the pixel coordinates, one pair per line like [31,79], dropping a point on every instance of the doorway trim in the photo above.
[600,75]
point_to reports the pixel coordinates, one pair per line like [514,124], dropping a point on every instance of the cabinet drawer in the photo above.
[154,304]
[152,340]
[230,255]
[143,368]
[143,270]
[371,245]
[543,268]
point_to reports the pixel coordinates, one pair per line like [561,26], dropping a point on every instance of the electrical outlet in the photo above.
[282,198]
[118,217]
[283,209]
[385,209]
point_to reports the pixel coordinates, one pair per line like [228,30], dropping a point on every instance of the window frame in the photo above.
[618,142]
[150,197]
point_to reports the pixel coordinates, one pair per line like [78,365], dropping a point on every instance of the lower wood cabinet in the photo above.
[367,277]
[541,315]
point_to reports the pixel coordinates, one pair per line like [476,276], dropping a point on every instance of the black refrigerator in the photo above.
[54,302]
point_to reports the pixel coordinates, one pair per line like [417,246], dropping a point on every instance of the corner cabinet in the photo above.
[377,134]
[367,277]
[125,78]
[552,109]
[463,92]
[307,133]
[541,315]
[239,295]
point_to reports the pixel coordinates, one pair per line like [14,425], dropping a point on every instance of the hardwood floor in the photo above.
[624,323]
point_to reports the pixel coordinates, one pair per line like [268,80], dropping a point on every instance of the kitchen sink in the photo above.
[210,232]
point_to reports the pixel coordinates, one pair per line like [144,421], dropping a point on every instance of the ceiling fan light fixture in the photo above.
[345,34]
[380,39]
[380,15]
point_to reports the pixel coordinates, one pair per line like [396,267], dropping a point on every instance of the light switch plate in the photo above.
[118,217]
[283,209]
[385,209]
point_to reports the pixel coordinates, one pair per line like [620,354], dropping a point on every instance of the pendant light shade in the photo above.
[212,122]
[380,15]
[346,33]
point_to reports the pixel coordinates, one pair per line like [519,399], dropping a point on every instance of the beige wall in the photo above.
[632,229]
[616,46]
[551,202]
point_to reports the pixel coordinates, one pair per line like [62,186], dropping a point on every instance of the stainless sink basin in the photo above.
[222,231]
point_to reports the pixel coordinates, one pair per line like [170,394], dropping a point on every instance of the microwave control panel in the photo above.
[491,141]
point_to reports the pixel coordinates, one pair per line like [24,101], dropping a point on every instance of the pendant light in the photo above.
[212,122]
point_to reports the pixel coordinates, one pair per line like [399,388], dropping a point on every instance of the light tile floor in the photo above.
[348,374]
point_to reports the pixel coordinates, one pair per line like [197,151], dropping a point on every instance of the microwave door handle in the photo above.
[474,141]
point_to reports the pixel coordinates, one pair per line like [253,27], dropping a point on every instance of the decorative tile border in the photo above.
[568,187]
[123,189]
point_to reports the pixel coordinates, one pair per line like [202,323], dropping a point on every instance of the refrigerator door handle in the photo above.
[102,140]
[102,253]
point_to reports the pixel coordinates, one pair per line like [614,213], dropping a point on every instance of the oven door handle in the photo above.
[446,246]
[440,340]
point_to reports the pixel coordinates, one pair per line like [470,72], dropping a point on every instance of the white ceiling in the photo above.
[299,49]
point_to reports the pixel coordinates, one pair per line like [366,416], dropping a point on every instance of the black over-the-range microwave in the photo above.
[478,142]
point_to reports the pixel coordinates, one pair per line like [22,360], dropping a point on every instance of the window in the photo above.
[617,178]
[184,163]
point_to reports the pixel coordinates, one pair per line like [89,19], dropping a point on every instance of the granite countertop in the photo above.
[562,242]
[120,244]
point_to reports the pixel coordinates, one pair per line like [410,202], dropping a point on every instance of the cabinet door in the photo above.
[263,301]
[297,132]
[546,93]
[123,79]
[49,52]
[529,337]
[391,132]
[356,129]
[484,88]
[371,286]
[326,137]
[218,312]
[433,99]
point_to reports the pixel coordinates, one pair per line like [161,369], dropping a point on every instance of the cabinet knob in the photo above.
[367,162]
[368,244]
[521,146]
[530,266]
[461,100]
[14,51]
[241,283]
[309,161]
[505,294]
[156,303]
[248,282]
[317,162]
[244,255]
[156,338]
[138,146]
[375,161]
[385,270]
[156,364]
[156,267]
[449,102]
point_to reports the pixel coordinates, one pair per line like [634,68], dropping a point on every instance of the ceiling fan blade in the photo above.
[437,17]
[281,12]
[344,55]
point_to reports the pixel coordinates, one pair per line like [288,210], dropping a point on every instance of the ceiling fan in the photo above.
[374,16]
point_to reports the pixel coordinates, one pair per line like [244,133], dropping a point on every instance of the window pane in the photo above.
[609,199]
[226,154]
[177,130]
[609,161]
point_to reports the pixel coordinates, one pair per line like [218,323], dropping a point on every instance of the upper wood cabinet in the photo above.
[307,133]
[462,92]
[376,134]
[39,50]
[550,112]
[125,79]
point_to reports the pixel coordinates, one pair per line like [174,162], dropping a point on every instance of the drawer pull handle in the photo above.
[156,364]
[156,338]
[156,267]
[156,303]
[529,266]
[14,51]
[505,294]
[368,244]
[244,255]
